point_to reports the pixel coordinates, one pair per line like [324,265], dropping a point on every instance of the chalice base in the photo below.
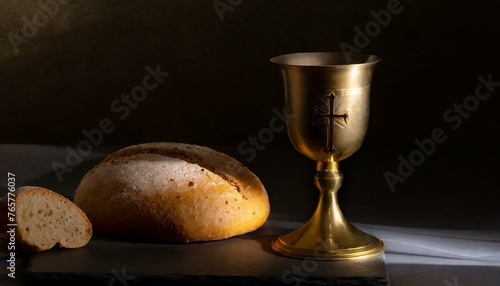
[309,242]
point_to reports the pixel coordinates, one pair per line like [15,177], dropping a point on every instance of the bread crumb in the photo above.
[191,184]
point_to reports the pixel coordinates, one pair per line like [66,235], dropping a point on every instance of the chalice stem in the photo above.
[332,225]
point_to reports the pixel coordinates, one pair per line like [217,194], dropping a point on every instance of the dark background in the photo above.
[222,88]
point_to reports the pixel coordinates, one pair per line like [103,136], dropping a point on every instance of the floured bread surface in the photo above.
[172,192]
[45,219]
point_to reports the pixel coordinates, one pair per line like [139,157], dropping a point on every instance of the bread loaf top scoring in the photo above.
[172,192]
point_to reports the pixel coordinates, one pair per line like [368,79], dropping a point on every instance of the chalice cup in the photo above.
[327,101]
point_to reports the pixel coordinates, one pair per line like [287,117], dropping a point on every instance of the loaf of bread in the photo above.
[44,219]
[172,192]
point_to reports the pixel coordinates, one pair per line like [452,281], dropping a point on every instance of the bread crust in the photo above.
[173,192]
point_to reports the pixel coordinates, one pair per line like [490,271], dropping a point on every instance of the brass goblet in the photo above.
[327,100]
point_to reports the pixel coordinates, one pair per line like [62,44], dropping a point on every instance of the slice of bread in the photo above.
[44,219]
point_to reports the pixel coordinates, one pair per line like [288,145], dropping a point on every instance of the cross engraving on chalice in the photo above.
[329,110]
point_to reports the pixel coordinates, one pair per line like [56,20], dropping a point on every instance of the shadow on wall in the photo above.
[64,73]
[64,64]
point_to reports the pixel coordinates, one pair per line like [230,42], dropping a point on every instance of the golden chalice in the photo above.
[328,102]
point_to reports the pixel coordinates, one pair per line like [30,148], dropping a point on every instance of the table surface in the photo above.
[418,252]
